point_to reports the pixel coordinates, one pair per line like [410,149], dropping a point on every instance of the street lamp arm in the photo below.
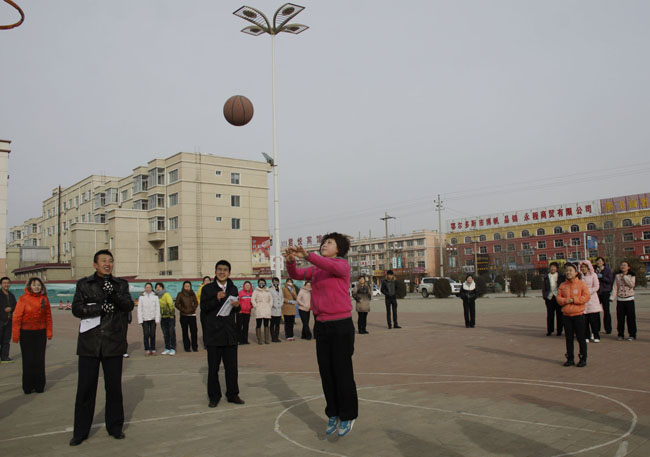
[254,30]
[284,14]
[255,16]
[294,29]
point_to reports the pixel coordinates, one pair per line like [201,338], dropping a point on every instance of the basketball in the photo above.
[238,110]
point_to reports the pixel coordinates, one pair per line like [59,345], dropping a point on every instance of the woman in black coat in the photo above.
[469,294]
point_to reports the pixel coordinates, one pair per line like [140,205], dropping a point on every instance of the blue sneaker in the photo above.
[332,425]
[345,427]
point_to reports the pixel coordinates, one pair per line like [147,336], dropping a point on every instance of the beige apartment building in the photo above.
[27,234]
[174,217]
[412,256]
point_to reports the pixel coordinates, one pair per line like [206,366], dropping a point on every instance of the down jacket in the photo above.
[109,338]
[148,308]
[262,302]
[32,313]
[289,296]
[592,282]
[576,290]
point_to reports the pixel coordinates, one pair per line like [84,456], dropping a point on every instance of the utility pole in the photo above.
[388,259]
[359,259]
[439,208]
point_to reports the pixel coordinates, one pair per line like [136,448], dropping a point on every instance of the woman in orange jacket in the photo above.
[573,295]
[32,324]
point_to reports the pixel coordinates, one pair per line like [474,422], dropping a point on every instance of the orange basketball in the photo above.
[238,110]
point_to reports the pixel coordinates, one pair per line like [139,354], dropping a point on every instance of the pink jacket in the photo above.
[591,279]
[330,282]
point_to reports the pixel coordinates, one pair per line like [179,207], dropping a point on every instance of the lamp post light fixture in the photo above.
[262,25]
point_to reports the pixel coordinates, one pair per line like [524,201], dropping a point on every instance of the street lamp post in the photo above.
[261,26]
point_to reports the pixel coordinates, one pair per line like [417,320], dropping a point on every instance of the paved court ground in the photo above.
[432,388]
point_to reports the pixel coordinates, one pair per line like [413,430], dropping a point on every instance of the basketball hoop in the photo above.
[22,16]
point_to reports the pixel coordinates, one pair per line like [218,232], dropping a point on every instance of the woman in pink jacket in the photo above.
[593,307]
[334,329]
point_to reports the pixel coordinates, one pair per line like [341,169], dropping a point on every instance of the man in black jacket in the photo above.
[103,303]
[389,290]
[552,281]
[7,306]
[220,333]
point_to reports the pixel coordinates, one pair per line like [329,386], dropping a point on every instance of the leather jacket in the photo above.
[218,330]
[108,339]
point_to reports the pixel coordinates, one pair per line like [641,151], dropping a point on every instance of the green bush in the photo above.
[501,280]
[536,282]
[400,288]
[518,284]
[441,288]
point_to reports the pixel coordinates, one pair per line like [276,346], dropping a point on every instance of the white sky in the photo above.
[496,105]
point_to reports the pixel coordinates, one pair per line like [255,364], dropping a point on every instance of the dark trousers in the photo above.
[229,356]
[188,323]
[304,317]
[575,325]
[607,317]
[334,349]
[258,322]
[363,319]
[5,340]
[149,334]
[469,311]
[592,325]
[391,303]
[275,327]
[168,327]
[289,322]
[553,313]
[625,311]
[32,348]
[243,320]
[84,407]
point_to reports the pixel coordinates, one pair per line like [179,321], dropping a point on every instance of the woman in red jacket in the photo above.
[573,295]
[244,315]
[32,324]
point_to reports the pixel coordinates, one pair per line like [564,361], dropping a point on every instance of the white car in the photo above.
[426,286]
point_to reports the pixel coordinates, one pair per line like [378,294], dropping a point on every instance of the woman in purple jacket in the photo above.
[334,329]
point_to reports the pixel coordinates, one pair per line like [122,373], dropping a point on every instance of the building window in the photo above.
[235,201]
[559,243]
[629,251]
[410,265]
[419,242]
[156,224]
[156,177]
[646,235]
[99,219]
[525,246]
[236,224]
[217,172]
[627,223]
[510,235]
[497,236]
[409,243]
[541,245]
[482,238]
[217,195]
[511,247]
[559,255]
[410,254]
[454,241]
[422,264]
[468,239]
[591,226]
[541,232]
[218,218]
[173,176]
[83,219]
[497,248]
[557,230]
[541,257]
[76,201]
[98,202]
[161,255]
[125,195]
[468,251]
[420,253]
[628,237]
[608,225]
[575,241]
[646,220]
[575,228]
[609,238]
[381,256]
[172,253]
[525,233]
[140,184]
[141,204]
[512,260]
[646,249]
[173,223]
[235,178]
[173,199]
[156,201]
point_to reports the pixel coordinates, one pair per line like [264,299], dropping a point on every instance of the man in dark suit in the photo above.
[220,333]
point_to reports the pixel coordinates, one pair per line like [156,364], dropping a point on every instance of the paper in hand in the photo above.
[227,306]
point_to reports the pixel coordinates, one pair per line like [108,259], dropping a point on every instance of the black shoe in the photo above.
[559,334]
[213,403]
[582,362]
[549,333]
[396,326]
[77,441]
[196,350]
[569,363]
[119,436]
[390,327]
[236,400]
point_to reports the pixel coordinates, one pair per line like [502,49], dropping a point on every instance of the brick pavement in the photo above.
[430,388]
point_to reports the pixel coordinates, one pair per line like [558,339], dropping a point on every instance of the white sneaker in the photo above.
[596,340]
[587,340]
[172,352]
[125,355]
[165,352]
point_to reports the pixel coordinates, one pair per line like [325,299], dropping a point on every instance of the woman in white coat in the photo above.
[148,317]
[262,301]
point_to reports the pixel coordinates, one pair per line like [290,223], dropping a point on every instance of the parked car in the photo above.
[426,286]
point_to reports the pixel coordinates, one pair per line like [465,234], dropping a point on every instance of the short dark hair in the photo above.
[275,278]
[148,284]
[261,280]
[554,263]
[187,282]
[160,284]
[4,278]
[469,276]
[102,252]
[223,262]
[207,277]
[573,265]
[247,282]
[342,242]
[390,272]
[36,279]
[597,258]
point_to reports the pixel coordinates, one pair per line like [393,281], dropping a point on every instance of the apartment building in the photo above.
[173,217]
[27,234]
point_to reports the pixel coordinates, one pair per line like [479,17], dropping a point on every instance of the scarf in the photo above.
[469,286]
[160,293]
